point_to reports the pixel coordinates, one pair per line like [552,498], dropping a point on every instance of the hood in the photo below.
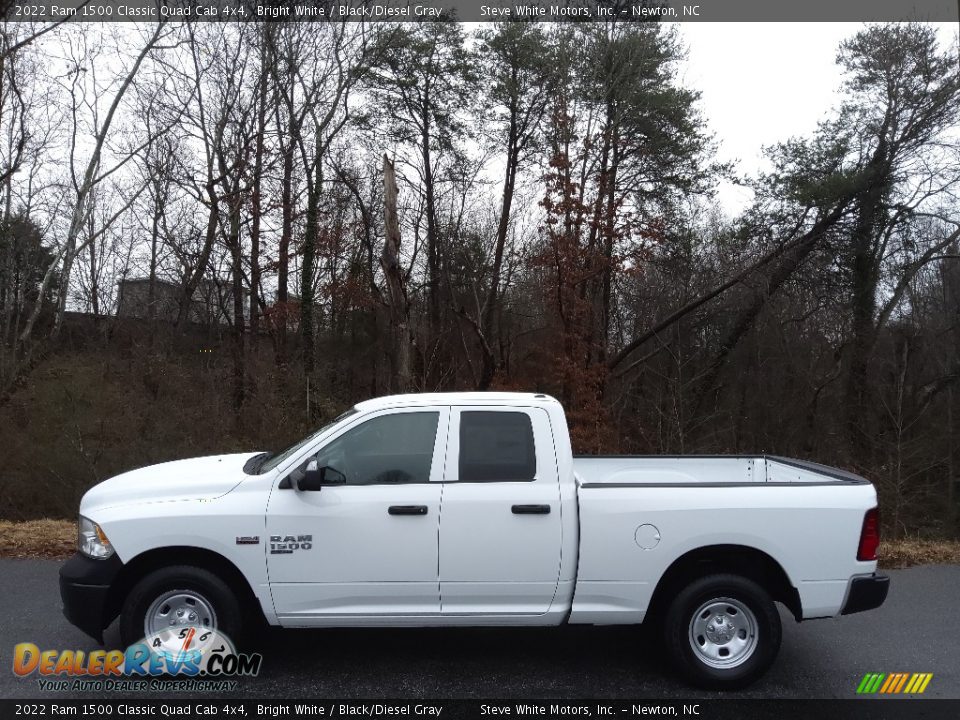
[202,478]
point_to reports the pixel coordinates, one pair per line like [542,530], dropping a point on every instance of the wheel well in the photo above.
[145,563]
[737,559]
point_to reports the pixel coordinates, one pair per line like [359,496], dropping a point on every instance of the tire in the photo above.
[722,632]
[216,606]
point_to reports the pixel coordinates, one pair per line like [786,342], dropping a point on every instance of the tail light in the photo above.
[869,536]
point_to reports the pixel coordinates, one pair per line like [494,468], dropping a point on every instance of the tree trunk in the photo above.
[256,210]
[196,275]
[398,304]
[488,324]
[863,305]
[307,269]
[154,238]
[94,283]
[283,249]
[863,298]
[608,244]
[239,350]
[433,251]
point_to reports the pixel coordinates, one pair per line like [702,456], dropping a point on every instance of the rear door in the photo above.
[500,529]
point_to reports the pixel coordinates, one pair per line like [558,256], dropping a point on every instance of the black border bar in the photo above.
[709,708]
[484,10]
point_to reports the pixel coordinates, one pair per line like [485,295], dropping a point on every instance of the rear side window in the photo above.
[496,447]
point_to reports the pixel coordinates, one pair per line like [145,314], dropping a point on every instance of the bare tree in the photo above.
[92,173]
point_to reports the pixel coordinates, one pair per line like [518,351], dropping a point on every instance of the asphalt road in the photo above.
[915,631]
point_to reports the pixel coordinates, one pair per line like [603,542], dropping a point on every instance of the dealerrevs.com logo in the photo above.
[201,660]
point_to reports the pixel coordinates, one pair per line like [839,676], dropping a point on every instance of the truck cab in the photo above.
[373,491]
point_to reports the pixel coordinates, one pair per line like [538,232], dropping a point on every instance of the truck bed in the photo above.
[655,509]
[704,470]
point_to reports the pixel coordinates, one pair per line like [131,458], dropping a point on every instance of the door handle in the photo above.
[407,509]
[530,509]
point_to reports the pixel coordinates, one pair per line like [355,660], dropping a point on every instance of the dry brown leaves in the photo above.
[904,553]
[38,538]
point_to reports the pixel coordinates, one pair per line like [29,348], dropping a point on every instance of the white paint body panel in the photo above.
[491,560]
[469,560]
[811,531]
[210,524]
[363,561]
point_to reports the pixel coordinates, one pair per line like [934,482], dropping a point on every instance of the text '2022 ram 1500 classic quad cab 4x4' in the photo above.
[467,509]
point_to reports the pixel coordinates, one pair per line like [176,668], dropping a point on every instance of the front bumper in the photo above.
[85,591]
[866,593]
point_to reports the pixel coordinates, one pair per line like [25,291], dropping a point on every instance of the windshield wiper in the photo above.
[253,465]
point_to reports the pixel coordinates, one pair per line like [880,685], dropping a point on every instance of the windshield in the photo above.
[275,460]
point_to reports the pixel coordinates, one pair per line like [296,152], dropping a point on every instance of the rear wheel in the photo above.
[723,631]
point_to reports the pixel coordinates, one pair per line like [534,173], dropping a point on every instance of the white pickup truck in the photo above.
[470,509]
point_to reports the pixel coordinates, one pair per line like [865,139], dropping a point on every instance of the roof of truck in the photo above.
[454,398]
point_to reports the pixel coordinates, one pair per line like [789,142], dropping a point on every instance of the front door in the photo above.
[368,547]
[500,530]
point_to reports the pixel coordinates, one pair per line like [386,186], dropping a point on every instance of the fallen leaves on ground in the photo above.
[904,553]
[38,538]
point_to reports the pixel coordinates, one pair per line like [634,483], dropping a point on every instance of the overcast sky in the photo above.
[765,82]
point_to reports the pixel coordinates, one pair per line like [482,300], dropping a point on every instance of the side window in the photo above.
[496,447]
[395,448]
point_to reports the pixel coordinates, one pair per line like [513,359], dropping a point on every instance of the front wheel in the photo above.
[176,604]
[723,631]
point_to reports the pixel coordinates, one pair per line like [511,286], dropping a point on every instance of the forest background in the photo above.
[437,206]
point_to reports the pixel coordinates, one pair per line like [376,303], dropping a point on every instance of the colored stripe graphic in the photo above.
[870,683]
[918,683]
[891,681]
[894,683]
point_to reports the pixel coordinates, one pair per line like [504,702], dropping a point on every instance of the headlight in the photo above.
[92,541]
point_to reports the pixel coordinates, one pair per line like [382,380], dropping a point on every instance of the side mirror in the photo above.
[311,477]
[314,477]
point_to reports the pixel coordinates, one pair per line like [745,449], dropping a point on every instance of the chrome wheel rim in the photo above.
[175,610]
[723,633]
